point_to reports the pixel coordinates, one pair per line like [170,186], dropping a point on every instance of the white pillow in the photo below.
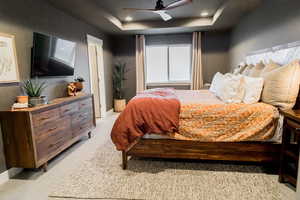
[253,89]
[216,82]
[232,89]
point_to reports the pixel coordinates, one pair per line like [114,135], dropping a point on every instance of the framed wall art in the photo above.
[9,72]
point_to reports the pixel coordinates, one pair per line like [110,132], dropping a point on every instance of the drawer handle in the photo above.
[44,118]
[82,116]
[54,144]
[52,129]
[67,110]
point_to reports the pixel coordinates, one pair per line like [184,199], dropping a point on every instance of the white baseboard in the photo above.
[6,175]
[109,113]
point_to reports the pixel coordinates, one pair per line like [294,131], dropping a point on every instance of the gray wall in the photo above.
[124,52]
[275,22]
[215,54]
[23,17]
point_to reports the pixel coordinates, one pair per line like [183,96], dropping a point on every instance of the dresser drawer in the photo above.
[82,128]
[82,117]
[69,109]
[85,104]
[39,119]
[52,143]
[51,128]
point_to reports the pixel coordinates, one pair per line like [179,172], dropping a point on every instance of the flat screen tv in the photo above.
[52,56]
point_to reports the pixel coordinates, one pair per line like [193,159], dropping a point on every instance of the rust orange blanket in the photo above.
[227,122]
[152,111]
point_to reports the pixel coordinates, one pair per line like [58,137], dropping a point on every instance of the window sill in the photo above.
[168,84]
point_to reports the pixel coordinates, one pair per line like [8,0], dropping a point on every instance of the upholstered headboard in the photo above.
[282,54]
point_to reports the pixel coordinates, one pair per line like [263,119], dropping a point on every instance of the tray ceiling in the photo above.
[109,16]
[193,10]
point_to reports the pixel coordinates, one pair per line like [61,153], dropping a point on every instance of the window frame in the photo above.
[183,82]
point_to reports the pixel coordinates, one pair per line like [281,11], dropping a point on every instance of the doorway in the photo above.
[96,65]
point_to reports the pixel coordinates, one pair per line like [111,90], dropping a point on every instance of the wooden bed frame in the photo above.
[222,151]
[257,152]
[262,152]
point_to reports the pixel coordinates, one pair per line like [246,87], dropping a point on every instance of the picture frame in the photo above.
[9,69]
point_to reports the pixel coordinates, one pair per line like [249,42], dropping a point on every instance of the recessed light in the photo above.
[204,14]
[128,18]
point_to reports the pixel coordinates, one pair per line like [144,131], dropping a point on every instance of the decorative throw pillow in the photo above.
[216,82]
[253,87]
[231,90]
[270,67]
[240,68]
[281,85]
[237,70]
[256,71]
[247,70]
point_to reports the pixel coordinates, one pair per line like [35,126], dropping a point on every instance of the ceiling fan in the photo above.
[161,9]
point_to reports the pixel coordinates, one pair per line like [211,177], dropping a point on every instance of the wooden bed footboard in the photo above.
[222,151]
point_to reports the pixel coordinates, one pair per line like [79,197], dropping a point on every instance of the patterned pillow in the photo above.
[232,89]
[256,71]
[253,88]
[240,69]
[247,70]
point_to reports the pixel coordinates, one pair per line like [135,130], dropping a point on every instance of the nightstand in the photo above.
[290,147]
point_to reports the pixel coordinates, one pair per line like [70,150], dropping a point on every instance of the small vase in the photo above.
[119,105]
[22,99]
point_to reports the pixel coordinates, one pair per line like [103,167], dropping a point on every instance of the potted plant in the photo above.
[34,90]
[118,86]
[79,83]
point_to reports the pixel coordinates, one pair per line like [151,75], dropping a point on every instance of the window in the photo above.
[168,64]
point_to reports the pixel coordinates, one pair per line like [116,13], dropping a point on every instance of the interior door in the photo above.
[95,79]
[101,81]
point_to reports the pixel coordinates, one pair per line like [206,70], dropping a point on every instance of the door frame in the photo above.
[91,40]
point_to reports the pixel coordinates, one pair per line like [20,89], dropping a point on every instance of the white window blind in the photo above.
[157,64]
[168,63]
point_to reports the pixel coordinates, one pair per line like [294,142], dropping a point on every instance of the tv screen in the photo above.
[52,56]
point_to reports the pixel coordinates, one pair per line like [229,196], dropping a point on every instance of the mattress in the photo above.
[206,98]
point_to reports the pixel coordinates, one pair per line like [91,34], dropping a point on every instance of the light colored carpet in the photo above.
[102,178]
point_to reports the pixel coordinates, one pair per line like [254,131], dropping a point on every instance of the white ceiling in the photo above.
[109,15]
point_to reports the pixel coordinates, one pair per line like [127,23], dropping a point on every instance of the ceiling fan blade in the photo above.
[176,4]
[165,16]
[138,9]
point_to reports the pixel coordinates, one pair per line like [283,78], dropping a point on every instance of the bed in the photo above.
[250,142]
[261,144]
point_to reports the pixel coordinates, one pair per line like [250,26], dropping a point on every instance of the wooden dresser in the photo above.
[33,136]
